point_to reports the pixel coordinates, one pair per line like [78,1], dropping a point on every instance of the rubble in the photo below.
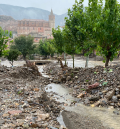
[20,105]
[97,86]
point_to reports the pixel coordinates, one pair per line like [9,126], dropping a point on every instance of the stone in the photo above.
[94,98]
[15,112]
[68,78]
[95,85]
[20,121]
[110,94]
[80,95]
[43,116]
[36,89]
[87,101]
[6,115]
[2,122]
[116,112]
[114,98]
[25,105]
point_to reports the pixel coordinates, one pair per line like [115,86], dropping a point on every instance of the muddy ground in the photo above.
[25,103]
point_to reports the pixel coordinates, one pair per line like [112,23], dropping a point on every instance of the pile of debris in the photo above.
[97,86]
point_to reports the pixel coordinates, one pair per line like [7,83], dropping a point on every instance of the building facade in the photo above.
[40,27]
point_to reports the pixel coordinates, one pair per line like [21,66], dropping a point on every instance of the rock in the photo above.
[76,77]
[20,121]
[5,115]
[76,87]
[116,112]
[94,98]
[87,101]
[112,104]
[80,95]
[43,116]
[95,85]
[68,78]
[110,94]
[101,101]
[15,112]
[2,122]
[25,105]
[114,98]
[36,89]
[34,125]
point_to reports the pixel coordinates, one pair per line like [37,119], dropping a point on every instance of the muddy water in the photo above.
[105,115]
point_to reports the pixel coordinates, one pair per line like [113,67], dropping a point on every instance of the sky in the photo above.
[59,6]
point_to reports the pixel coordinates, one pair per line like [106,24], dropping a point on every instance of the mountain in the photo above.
[19,13]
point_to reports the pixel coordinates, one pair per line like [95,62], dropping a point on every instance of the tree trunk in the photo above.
[87,59]
[65,58]
[12,63]
[73,60]
[107,60]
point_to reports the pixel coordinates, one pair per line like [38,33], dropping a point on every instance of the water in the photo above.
[62,94]
[105,115]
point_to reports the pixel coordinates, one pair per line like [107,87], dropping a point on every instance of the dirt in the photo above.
[20,103]
[76,121]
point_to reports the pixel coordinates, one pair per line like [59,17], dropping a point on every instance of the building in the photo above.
[39,29]
[37,37]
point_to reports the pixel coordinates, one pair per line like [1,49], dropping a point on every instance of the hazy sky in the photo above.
[58,6]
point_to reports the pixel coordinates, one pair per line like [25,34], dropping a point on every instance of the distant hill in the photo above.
[6,18]
[19,13]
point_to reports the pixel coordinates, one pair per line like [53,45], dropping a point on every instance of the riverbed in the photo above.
[103,118]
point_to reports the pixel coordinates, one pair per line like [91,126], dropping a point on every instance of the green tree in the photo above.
[12,55]
[46,48]
[76,30]
[105,22]
[25,45]
[3,41]
[59,42]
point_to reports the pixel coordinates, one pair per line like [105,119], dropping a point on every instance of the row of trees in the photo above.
[95,27]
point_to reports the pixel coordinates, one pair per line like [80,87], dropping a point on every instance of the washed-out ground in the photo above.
[28,101]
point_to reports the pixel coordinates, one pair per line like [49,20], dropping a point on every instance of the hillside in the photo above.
[19,13]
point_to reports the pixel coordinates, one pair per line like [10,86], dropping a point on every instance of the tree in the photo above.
[77,33]
[24,44]
[46,48]
[106,27]
[12,55]
[58,37]
[70,43]
[3,41]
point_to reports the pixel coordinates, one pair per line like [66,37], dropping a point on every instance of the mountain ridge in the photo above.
[19,13]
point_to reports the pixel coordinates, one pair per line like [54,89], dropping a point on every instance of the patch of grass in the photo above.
[87,80]
[83,89]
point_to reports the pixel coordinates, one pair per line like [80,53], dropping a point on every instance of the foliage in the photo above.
[12,55]
[3,41]
[46,47]
[25,45]
[105,24]
[58,40]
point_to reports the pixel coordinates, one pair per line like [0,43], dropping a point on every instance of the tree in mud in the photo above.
[25,45]
[78,31]
[106,27]
[4,38]
[59,41]
[12,55]
[70,43]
